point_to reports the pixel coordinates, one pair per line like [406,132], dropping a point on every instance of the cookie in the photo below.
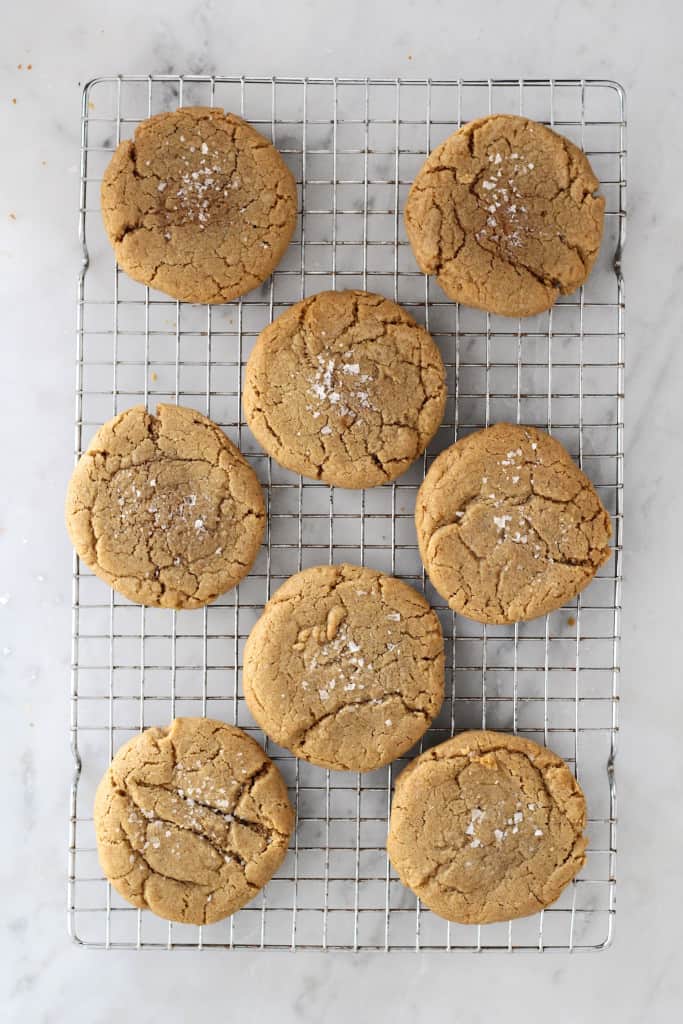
[192,820]
[198,205]
[504,214]
[345,387]
[508,526]
[345,667]
[165,509]
[486,827]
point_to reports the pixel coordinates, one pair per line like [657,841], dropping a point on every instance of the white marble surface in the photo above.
[43,978]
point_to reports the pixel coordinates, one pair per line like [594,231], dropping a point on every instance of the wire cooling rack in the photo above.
[354,147]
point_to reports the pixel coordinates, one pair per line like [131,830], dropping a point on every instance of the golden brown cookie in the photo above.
[487,827]
[165,508]
[198,205]
[345,387]
[345,667]
[504,214]
[508,526]
[191,821]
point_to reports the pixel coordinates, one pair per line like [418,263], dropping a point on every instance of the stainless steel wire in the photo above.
[354,147]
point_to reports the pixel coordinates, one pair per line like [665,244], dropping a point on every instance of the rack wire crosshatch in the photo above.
[354,147]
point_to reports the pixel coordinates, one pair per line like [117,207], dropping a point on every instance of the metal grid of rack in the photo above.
[354,147]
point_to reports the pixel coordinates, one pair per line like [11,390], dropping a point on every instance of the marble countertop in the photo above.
[44,978]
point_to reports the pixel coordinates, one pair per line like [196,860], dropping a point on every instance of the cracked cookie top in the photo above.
[504,214]
[198,205]
[345,667]
[486,827]
[191,821]
[165,508]
[508,526]
[345,387]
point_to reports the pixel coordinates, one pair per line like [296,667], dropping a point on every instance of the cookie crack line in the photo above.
[149,546]
[511,870]
[468,236]
[205,222]
[260,402]
[183,828]
[351,653]
[266,832]
[489,900]
[301,737]
[589,562]
[551,532]
[157,873]
[244,788]
[192,861]
[533,252]
[345,387]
